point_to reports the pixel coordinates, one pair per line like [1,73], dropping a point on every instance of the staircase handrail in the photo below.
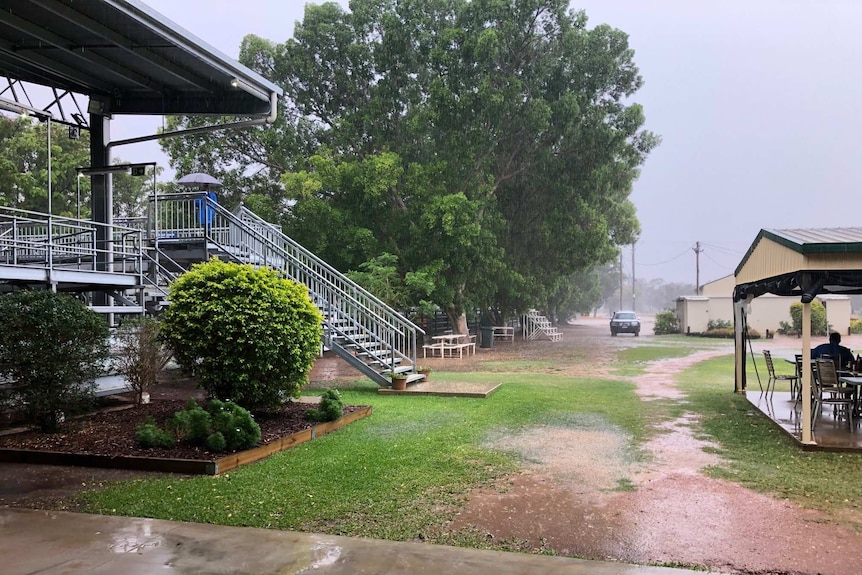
[126,243]
[191,217]
[244,213]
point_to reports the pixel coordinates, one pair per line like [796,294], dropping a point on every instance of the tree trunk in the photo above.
[458,320]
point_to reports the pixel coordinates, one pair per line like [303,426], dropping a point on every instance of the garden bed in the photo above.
[107,439]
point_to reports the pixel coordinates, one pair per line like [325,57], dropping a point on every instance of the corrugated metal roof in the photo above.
[127,56]
[809,241]
[803,237]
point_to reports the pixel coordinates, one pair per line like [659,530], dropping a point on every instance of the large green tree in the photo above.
[488,144]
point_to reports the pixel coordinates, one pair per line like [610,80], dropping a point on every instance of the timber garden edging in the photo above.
[189,466]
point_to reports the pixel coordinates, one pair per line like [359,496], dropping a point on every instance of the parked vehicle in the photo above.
[625,322]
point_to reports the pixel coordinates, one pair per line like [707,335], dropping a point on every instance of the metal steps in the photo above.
[357,326]
[537,326]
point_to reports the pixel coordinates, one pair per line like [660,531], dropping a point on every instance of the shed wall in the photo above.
[770,259]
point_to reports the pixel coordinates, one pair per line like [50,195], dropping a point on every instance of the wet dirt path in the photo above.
[584,495]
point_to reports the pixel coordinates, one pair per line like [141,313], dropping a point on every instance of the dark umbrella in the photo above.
[198,179]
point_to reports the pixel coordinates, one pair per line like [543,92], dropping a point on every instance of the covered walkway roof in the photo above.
[127,58]
[793,262]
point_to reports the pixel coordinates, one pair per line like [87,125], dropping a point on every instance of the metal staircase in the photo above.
[144,255]
[372,337]
[536,325]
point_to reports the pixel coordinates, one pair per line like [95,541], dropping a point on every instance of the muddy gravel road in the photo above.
[567,501]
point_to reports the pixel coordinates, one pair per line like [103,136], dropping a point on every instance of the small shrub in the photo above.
[856,326]
[149,435]
[785,328]
[216,442]
[718,333]
[53,348]
[728,333]
[666,323]
[331,407]
[819,326]
[719,324]
[191,424]
[140,355]
[222,426]
[237,426]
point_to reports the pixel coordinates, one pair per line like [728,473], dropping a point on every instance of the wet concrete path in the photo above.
[56,542]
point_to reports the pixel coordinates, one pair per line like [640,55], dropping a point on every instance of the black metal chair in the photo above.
[770,368]
[828,390]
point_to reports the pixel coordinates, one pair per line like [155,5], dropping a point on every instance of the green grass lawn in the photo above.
[402,473]
[399,474]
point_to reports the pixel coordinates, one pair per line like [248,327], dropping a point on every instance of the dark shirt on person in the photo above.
[838,353]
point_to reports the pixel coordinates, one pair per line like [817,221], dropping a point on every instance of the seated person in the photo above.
[839,354]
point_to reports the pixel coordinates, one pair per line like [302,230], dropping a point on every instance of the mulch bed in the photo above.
[112,433]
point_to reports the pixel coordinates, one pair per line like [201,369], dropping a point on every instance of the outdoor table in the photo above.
[449,338]
[855,381]
[451,343]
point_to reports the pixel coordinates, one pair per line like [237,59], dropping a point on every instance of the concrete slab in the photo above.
[443,388]
[69,543]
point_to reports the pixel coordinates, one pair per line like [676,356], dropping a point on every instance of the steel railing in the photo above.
[33,239]
[351,313]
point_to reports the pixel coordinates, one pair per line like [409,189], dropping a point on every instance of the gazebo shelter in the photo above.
[801,263]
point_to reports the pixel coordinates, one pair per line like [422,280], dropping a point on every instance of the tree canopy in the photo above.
[488,145]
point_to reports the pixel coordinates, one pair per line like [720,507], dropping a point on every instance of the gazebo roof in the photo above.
[793,262]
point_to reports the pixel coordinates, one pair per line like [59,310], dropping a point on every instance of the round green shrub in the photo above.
[247,335]
[191,424]
[216,442]
[235,424]
[148,435]
[53,348]
[819,326]
[331,407]
[665,323]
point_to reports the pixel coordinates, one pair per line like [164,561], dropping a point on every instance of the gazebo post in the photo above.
[739,344]
[806,374]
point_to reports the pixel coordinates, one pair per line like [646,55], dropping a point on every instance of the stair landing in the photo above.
[445,388]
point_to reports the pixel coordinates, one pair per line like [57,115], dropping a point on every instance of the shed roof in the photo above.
[127,56]
[796,261]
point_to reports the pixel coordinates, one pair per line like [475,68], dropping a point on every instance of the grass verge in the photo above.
[400,474]
[761,457]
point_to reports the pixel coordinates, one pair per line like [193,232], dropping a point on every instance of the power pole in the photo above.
[621,278]
[697,249]
[633,276]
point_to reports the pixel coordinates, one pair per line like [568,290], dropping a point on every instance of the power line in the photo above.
[666,261]
[725,266]
[723,249]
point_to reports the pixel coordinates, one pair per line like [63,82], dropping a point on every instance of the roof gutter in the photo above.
[270,119]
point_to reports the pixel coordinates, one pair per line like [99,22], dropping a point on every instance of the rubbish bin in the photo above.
[487,333]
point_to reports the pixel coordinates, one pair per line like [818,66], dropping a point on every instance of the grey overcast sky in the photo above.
[757,103]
